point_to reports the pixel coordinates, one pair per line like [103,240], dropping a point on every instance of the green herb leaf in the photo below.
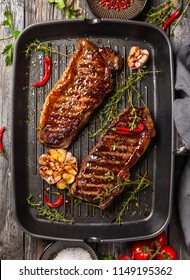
[8,21]
[60,4]
[15,33]
[2,153]
[8,50]
[72,13]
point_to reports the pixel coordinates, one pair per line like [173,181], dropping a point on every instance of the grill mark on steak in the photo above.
[105,169]
[80,90]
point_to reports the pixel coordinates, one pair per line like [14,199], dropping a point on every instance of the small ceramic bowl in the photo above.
[52,250]
[131,12]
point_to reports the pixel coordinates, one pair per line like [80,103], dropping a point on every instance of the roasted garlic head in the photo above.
[58,167]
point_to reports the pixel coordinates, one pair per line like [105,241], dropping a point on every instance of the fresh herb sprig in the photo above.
[38,46]
[70,12]
[49,213]
[158,15]
[180,17]
[8,50]
[110,110]
[141,183]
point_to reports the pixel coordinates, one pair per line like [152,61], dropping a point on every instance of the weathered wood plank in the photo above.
[11,237]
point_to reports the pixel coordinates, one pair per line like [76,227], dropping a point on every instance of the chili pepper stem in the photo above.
[56,193]
[3,154]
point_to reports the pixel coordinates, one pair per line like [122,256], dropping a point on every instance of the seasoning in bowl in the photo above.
[116,4]
[68,250]
[76,253]
[116,9]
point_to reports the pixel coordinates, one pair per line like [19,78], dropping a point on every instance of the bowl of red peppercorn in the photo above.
[116,9]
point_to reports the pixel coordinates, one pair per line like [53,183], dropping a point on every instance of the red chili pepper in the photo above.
[53,204]
[47,72]
[129,131]
[175,15]
[1,142]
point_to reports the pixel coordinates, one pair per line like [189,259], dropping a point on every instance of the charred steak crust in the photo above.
[104,170]
[80,90]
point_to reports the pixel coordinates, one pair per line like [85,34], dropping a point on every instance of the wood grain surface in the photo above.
[14,243]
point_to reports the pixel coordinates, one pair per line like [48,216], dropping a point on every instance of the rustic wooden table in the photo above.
[14,243]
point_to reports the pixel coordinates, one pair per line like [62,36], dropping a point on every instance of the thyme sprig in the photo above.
[38,46]
[176,22]
[158,15]
[110,110]
[49,213]
[141,183]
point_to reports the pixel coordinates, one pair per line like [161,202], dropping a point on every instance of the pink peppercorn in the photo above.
[117,5]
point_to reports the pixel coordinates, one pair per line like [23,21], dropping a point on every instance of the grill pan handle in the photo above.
[92,239]
[92,20]
[182,151]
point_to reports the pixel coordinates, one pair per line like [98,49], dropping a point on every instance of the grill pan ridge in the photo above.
[151,212]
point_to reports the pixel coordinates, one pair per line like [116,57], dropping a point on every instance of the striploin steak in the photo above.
[80,90]
[105,170]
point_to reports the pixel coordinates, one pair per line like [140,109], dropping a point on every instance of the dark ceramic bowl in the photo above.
[131,12]
[53,249]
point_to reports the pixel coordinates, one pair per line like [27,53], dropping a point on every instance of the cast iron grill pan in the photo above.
[151,212]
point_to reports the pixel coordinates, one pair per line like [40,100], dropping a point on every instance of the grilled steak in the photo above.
[103,172]
[80,90]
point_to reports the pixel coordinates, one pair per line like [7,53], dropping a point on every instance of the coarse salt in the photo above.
[73,254]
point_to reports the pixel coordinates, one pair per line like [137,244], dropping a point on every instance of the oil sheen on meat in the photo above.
[103,172]
[80,90]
